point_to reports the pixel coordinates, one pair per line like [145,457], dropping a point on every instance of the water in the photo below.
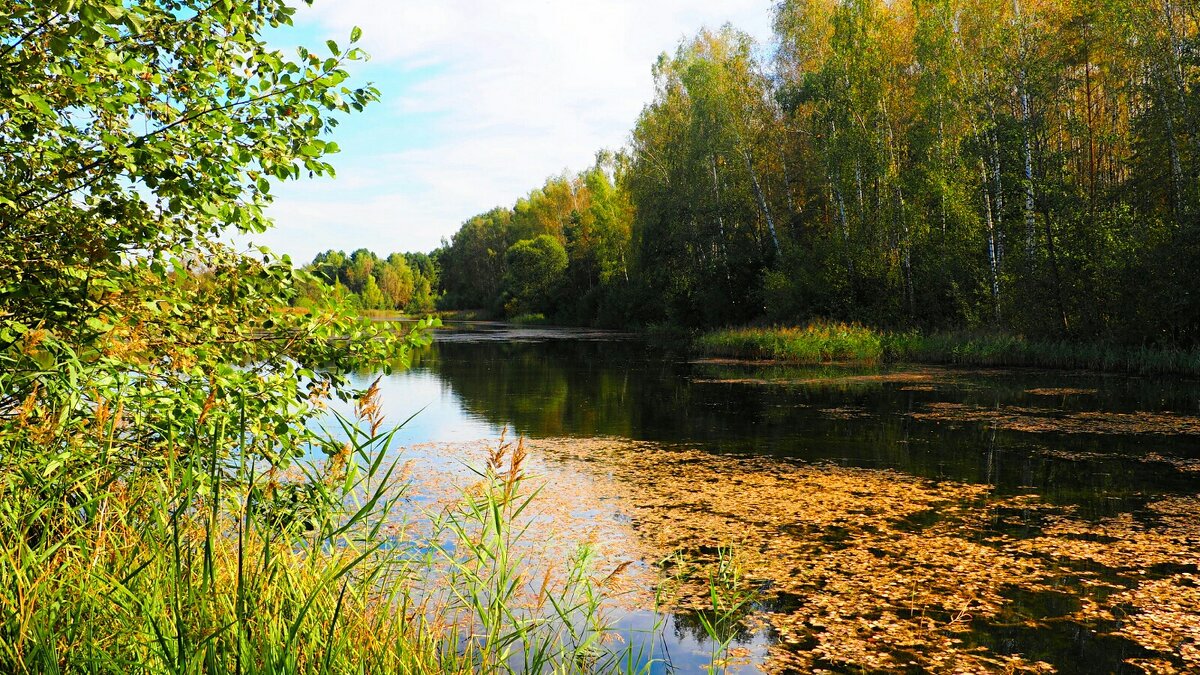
[1091,455]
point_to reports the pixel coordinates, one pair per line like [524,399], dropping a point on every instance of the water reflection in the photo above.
[585,388]
[1080,479]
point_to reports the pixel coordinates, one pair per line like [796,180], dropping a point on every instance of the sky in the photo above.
[481,102]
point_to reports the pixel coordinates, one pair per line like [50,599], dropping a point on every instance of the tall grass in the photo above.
[999,349]
[814,343]
[828,342]
[530,319]
[207,563]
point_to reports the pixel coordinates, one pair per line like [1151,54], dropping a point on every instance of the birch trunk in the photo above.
[998,181]
[762,198]
[993,266]
[1027,144]
[720,248]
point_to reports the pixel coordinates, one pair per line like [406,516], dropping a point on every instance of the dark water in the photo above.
[476,380]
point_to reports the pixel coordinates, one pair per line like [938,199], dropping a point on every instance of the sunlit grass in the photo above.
[825,342]
[533,319]
[814,343]
[210,564]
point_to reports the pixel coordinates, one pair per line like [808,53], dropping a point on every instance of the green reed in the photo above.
[1001,349]
[824,342]
[213,562]
[815,343]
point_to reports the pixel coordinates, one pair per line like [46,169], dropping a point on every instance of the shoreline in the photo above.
[827,343]
[830,343]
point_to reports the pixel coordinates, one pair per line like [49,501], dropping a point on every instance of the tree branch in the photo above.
[29,33]
[141,139]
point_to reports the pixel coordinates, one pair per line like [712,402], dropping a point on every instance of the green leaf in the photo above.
[98,325]
[37,102]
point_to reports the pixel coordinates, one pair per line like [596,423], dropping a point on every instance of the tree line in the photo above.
[1026,165]
[404,282]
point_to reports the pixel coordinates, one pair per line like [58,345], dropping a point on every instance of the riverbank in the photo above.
[827,342]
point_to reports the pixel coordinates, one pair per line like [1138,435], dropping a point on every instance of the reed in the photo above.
[1007,350]
[210,563]
[824,342]
[819,342]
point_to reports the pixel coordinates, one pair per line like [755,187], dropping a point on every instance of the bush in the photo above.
[536,272]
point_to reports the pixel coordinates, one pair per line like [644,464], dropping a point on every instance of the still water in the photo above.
[1023,520]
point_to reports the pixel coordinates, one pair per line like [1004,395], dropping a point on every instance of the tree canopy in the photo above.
[402,282]
[536,269]
[1029,166]
[136,136]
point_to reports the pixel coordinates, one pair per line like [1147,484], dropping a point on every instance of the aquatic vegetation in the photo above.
[320,568]
[1003,349]
[823,342]
[1166,618]
[532,319]
[1046,420]
[876,570]
[835,380]
[1178,463]
[814,343]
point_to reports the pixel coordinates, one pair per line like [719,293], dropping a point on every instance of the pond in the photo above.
[904,519]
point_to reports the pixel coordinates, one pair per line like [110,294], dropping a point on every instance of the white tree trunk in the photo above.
[762,198]
[1027,144]
[993,264]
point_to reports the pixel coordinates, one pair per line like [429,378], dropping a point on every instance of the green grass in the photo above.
[998,349]
[830,342]
[529,320]
[815,343]
[465,315]
[199,563]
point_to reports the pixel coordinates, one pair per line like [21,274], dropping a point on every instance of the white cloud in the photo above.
[517,90]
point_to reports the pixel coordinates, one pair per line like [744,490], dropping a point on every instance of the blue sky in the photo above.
[481,101]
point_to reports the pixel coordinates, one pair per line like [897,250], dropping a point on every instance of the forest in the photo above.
[1017,165]
[400,282]
[213,461]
